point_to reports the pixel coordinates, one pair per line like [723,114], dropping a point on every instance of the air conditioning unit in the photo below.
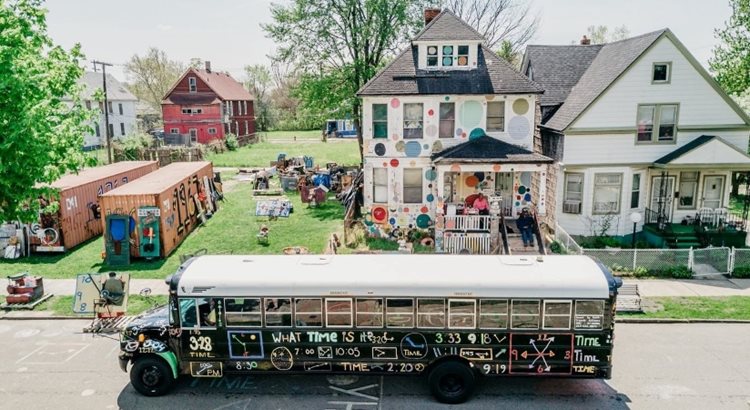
[572,207]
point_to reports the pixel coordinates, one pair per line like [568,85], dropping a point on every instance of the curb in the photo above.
[678,321]
[46,317]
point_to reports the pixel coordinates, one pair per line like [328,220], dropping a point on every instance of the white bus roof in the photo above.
[571,277]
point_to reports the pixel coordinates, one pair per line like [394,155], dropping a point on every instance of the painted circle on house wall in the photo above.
[479,175]
[437,146]
[395,102]
[430,198]
[496,167]
[459,131]
[394,137]
[392,221]
[380,149]
[518,128]
[455,168]
[412,163]
[394,162]
[527,197]
[413,149]
[400,146]
[447,98]
[520,106]
[430,112]
[426,146]
[431,130]
[385,165]
[424,209]
[489,97]
[521,189]
[379,214]
[471,181]
[430,175]
[471,114]
[476,133]
[423,221]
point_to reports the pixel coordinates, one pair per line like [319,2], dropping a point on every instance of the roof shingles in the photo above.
[487,149]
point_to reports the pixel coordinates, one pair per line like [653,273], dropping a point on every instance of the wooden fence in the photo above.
[169,154]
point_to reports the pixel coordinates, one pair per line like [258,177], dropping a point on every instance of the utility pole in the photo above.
[106,106]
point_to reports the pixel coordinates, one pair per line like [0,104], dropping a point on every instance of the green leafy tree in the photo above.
[259,83]
[510,55]
[357,36]
[603,34]
[42,120]
[152,75]
[731,60]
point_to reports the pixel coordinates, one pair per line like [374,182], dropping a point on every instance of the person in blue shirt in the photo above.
[525,224]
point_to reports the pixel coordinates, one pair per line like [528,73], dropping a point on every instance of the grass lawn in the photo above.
[343,152]
[232,230]
[314,135]
[695,307]
[63,305]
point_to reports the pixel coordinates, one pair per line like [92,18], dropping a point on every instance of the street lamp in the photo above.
[635,217]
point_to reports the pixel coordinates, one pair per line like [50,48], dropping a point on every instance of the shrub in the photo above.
[419,248]
[556,247]
[675,271]
[599,242]
[382,244]
[231,142]
[742,271]
[132,145]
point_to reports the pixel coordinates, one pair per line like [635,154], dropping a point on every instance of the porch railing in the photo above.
[718,219]
[467,223]
[468,243]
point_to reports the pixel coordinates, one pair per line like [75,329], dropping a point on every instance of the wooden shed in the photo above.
[78,219]
[163,208]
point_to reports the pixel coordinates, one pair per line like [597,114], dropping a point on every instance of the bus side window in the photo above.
[339,312]
[462,313]
[188,314]
[557,314]
[369,312]
[524,314]
[493,313]
[308,312]
[589,314]
[278,312]
[399,312]
[431,313]
[243,312]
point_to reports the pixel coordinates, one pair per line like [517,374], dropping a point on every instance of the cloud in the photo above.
[164,27]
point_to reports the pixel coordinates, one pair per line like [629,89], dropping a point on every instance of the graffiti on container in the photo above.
[110,185]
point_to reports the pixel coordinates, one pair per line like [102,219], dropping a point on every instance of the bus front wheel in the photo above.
[451,382]
[151,376]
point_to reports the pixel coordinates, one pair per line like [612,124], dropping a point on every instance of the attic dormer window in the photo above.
[448,56]
[192,84]
[432,56]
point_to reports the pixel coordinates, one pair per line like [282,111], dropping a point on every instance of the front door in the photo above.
[713,191]
[504,189]
[662,193]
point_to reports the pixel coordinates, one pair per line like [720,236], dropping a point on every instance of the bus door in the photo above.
[203,338]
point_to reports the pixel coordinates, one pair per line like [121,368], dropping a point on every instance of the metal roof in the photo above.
[394,275]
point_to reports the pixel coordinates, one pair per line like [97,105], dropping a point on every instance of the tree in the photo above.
[602,34]
[510,55]
[152,76]
[41,115]
[352,35]
[731,60]
[497,20]
[258,83]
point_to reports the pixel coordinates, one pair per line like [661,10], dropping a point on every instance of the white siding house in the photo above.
[121,107]
[448,119]
[640,128]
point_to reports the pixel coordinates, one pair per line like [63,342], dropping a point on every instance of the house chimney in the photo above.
[208,66]
[430,13]
[585,41]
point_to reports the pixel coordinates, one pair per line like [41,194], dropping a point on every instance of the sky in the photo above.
[228,32]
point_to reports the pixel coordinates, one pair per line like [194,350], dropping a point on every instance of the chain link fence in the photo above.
[643,260]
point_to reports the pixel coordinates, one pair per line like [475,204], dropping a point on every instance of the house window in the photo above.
[380,120]
[463,56]
[573,195]
[88,104]
[447,119]
[379,185]
[122,128]
[101,106]
[192,84]
[119,108]
[98,131]
[412,186]
[432,56]
[496,116]
[688,188]
[448,55]
[247,128]
[635,191]
[174,130]
[607,189]
[662,73]
[413,113]
[212,131]
[193,135]
[111,129]
[657,123]
[109,105]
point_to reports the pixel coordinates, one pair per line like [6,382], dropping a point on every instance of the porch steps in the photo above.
[681,239]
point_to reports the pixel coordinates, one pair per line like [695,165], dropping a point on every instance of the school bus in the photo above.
[451,318]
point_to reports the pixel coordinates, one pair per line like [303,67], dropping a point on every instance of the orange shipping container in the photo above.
[179,190]
[76,221]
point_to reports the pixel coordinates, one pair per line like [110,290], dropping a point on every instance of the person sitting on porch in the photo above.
[481,205]
[525,224]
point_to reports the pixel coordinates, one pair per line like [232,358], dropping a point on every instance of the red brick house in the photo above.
[208,105]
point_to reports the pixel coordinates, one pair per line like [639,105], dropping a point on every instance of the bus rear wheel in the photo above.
[151,376]
[451,382]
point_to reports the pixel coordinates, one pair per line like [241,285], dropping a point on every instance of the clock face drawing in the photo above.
[245,345]
[281,358]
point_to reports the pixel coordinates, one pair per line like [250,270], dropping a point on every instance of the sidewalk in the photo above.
[718,286]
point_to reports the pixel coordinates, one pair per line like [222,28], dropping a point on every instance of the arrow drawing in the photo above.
[498,354]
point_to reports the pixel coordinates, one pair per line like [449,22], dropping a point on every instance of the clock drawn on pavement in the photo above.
[281,358]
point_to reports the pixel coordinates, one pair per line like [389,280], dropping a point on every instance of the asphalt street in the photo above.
[53,365]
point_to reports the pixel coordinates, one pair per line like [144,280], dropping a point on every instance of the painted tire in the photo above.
[427,242]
